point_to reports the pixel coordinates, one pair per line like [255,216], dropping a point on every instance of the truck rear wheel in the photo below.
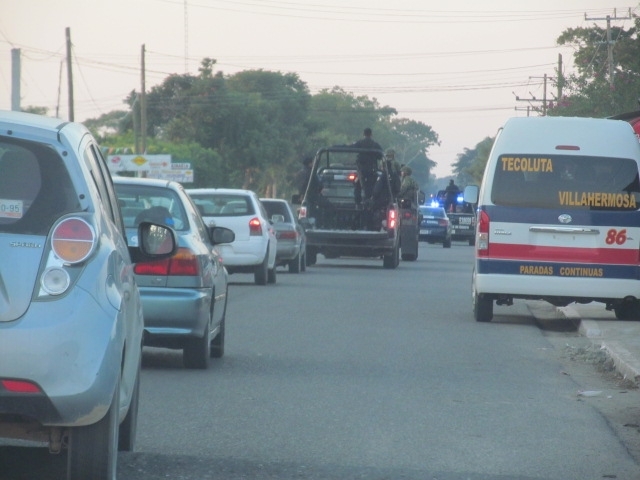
[312,256]
[393,259]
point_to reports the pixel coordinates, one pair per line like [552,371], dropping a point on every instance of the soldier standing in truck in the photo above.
[367,163]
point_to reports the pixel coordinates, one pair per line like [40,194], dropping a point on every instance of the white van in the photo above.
[558,216]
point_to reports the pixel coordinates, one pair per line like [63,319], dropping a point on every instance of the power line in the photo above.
[610,42]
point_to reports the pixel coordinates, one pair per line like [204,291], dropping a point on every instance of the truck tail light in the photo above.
[255,227]
[482,242]
[392,218]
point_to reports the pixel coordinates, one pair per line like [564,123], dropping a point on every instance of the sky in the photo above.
[463,67]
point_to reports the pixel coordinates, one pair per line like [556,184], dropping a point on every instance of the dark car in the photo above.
[435,226]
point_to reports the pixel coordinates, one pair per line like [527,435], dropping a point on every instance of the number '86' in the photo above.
[617,237]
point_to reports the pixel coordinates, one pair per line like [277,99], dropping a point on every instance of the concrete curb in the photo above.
[626,363]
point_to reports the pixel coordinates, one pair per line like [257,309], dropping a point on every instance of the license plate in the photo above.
[425,232]
[11,208]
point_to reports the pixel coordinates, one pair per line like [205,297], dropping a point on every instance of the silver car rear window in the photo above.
[567,182]
[151,204]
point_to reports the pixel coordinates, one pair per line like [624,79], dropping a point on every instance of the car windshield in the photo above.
[223,204]
[566,181]
[140,203]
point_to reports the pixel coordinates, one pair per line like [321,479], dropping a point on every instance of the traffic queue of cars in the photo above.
[93,268]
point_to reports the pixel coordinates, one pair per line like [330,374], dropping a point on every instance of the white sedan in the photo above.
[254,248]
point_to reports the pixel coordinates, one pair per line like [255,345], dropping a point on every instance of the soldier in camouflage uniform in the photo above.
[408,188]
[393,167]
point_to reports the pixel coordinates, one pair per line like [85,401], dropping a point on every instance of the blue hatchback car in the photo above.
[71,320]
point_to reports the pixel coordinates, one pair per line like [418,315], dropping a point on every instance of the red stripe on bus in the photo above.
[614,256]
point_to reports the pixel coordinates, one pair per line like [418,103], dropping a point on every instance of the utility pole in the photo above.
[560,81]
[186,38]
[15,79]
[610,42]
[544,101]
[143,105]
[69,74]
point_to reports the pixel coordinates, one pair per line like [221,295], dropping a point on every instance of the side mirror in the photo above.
[219,235]
[471,194]
[155,242]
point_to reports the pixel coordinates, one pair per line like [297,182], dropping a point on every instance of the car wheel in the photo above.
[446,243]
[93,449]
[303,262]
[271,275]
[129,426]
[196,351]
[410,257]
[260,274]
[217,344]
[294,265]
[472,241]
[482,306]
[627,310]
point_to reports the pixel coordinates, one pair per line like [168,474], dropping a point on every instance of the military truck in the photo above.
[336,224]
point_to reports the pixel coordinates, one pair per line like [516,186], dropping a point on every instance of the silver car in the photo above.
[70,313]
[184,297]
[290,235]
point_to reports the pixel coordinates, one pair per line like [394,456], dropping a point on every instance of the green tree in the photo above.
[589,92]
[411,141]
[476,162]
[253,128]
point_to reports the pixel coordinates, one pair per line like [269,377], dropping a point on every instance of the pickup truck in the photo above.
[335,224]
[461,215]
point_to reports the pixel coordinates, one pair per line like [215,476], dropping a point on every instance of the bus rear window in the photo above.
[566,182]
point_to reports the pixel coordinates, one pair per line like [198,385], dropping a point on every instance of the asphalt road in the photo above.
[351,371]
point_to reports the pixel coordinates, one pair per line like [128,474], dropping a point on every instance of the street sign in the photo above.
[137,163]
